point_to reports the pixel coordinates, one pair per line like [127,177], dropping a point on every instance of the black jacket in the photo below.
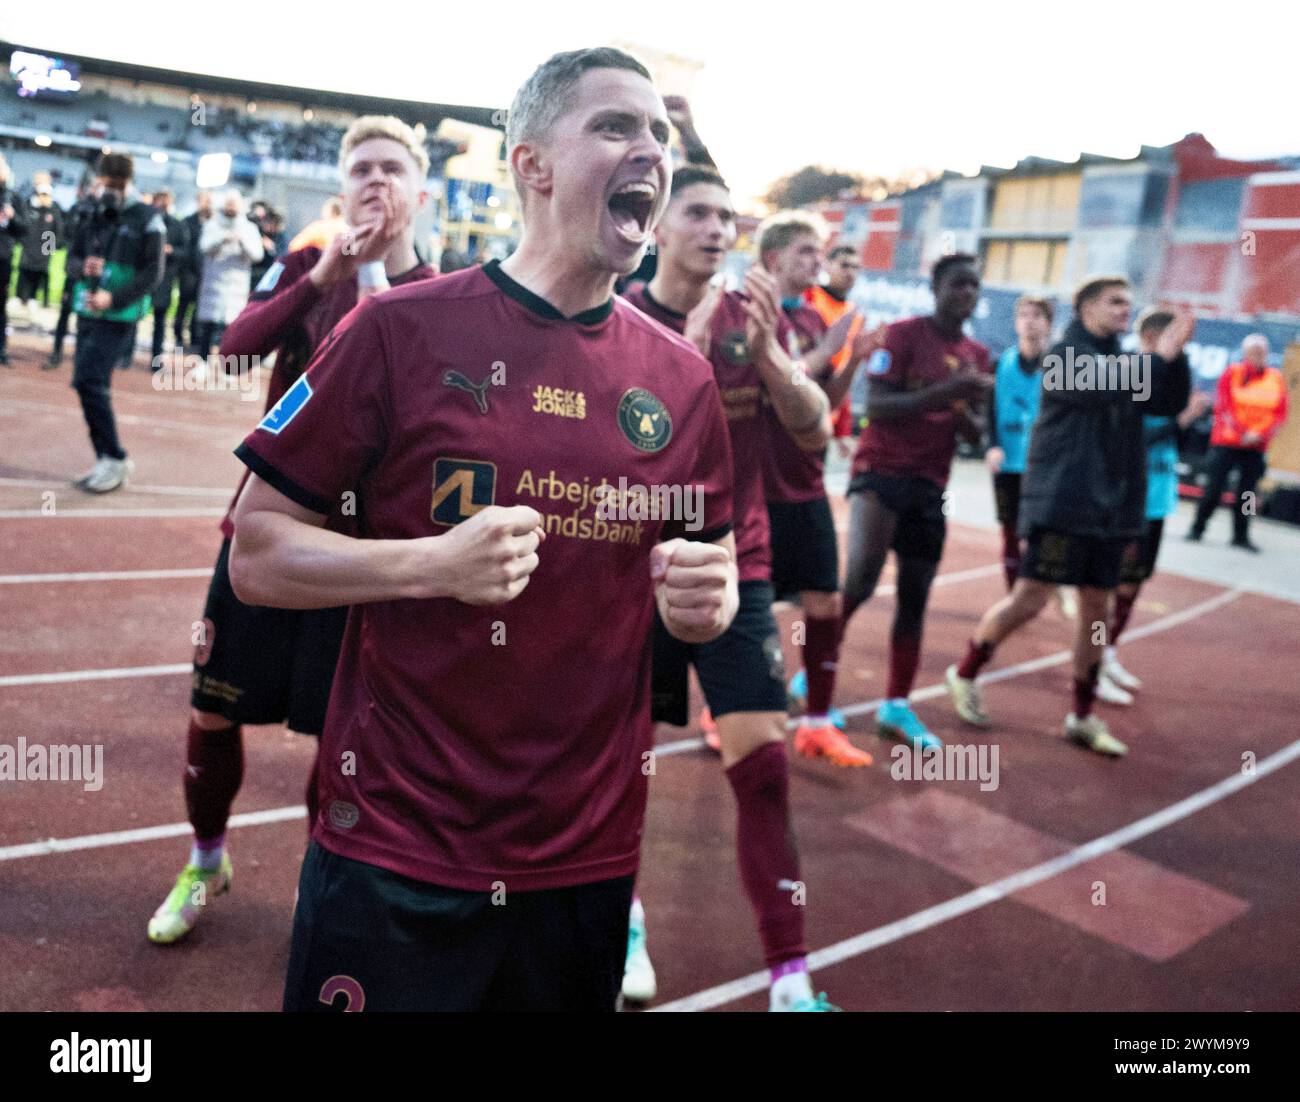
[38,221]
[13,232]
[1086,471]
[83,209]
[132,238]
[191,267]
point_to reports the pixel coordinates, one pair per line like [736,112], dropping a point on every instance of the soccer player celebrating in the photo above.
[1084,490]
[268,665]
[805,555]
[741,674]
[922,384]
[1115,684]
[485,754]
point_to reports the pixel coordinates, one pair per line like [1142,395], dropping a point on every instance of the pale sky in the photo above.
[867,88]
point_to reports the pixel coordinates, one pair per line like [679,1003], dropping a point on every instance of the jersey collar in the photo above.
[539,305]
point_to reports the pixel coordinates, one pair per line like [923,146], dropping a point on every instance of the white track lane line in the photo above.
[106,576]
[930,692]
[67,676]
[999,889]
[131,488]
[155,671]
[235,433]
[104,514]
[143,834]
[36,849]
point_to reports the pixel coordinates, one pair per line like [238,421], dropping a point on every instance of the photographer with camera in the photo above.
[118,249]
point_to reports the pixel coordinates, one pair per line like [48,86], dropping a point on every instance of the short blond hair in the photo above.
[783,227]
[384,126]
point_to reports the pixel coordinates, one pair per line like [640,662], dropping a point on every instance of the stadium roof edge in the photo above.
[410,111]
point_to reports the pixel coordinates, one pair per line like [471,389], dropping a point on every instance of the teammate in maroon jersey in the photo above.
[744,336]
[924,381]
[509,432]
[805,554]
[268,665]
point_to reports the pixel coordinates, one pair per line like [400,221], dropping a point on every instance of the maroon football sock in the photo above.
[214,770]
[769,863]
[820,653]
[904,657]
[977,654]
[1010,555]
[1084,691]
[1123,609]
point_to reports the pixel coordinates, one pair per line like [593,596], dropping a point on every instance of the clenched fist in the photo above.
[696,588]
[488,559]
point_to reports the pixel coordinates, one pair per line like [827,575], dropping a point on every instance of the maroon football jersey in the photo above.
[289,315]
[789,472]
[742,393]
[467,745]
[916,355]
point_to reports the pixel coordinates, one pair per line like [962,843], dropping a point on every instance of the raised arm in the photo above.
[800,405]
[271,315]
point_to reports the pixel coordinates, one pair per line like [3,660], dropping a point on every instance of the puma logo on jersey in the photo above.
[479,390]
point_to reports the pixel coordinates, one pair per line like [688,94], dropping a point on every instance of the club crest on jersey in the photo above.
[879,362]
[645,420]
[735,349]
[288,407]
[478,390]
[461,488]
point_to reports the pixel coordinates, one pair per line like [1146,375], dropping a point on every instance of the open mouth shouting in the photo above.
[632,206]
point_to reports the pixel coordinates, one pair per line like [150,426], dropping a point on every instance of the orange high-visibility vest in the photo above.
[831,310]
[1248,404]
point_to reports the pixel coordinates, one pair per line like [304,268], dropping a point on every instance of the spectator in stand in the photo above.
[42,234]
[322,231]
[175,250]
[190,270]
[11,231]
[1249,407]
[230,245]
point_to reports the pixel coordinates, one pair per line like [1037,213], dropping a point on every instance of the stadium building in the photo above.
[1184,224]
[274,142]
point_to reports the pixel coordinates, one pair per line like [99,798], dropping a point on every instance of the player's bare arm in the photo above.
[968,425]
[283,557]
[888,402]
[696,588]
[803,409]
[818,361]
[864,344]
